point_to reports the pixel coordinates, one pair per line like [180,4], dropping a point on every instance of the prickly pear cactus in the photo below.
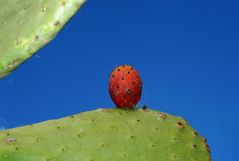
[106,135]
[27,25]
[125,86]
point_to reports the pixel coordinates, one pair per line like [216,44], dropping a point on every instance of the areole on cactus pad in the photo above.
[27,25]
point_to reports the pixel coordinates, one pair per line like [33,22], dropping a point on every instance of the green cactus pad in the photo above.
[27,25]
[106,135]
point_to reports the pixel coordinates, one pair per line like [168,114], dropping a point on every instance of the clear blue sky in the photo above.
[186,51]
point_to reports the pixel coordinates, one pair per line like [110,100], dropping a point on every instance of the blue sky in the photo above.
[186,51]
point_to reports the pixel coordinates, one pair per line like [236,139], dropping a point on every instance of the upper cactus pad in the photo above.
[27,25]
[106,135]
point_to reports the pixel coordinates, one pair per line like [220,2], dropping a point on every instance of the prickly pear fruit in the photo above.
[125,86]
[106,135]
[27,25]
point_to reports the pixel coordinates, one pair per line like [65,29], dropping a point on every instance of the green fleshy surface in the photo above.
[27,25]
[106,135]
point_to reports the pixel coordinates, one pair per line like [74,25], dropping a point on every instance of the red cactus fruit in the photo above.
[125,86]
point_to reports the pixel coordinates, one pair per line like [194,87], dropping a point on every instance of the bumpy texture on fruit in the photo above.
[27,25]
[106,135]
[125,86]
